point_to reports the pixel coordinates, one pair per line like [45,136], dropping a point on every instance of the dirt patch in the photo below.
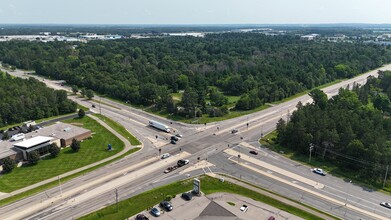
[77,124]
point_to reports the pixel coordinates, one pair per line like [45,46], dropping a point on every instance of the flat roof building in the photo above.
[39,140]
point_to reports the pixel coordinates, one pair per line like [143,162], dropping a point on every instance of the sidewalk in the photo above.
[271,195]
[127,147]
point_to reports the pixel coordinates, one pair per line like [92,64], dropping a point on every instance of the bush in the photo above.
[81,113]
[54,150]
[75,145]
[168,197]
[8,165]
[34,157]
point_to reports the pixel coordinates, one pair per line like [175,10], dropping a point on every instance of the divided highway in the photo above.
[89,192]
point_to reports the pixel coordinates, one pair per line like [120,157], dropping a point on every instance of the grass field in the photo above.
[136,204]
[120,129]
[92,150]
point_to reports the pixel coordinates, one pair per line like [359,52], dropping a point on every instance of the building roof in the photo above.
[59,130]
[33,142]
[6,150]
[216,211]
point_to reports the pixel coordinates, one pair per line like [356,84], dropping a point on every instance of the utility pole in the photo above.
[116,197]
[385,177]
[100,109]
[311,148]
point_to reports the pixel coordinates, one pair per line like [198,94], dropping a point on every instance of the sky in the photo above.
[194,11]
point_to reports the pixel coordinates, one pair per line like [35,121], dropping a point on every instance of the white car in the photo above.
[166,155]
[386,204]
[244,208]
[319,171]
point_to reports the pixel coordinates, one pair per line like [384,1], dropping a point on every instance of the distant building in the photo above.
[309,37]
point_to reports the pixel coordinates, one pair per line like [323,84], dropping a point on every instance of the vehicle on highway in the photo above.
[179,135]
[173,142]
[166,205]
[166,155]
[386,204]
[141,217]
[244,208]
[254,152]
[319,171]
[187,196]
[175,138]
[155,211]
[234,131]
[271,218]
[159,126]
[169,169]
[93,105]
[182,162]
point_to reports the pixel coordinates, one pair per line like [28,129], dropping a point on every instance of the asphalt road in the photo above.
[206,142]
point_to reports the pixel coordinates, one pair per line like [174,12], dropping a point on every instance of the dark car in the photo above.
[93,105]
[141,217]
[254,152]
[166,205]
[155,211]
[187,196]
[271,218]
[234,131]
[182,162]
[175,138]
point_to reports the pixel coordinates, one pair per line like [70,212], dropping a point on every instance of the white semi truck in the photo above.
[159,126]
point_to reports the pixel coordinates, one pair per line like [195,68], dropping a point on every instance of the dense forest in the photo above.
[22,100]
[352,129]
[258,68]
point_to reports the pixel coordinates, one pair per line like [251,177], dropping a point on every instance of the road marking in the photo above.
[275,169]
[349,206]
[202,164]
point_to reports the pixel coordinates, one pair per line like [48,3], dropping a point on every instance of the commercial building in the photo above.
[40,144]
[39,140]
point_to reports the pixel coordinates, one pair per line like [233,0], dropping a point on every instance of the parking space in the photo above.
[219,206]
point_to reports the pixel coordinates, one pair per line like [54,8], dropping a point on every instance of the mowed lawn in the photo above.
[92,150]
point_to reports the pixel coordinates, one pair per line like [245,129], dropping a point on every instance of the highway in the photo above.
[93,191]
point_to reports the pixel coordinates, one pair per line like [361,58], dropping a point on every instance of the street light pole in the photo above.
[311,148]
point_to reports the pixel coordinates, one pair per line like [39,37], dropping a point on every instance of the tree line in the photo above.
[28,99]
[258,68]
[352,129]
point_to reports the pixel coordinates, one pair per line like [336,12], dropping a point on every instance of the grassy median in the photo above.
[119,128]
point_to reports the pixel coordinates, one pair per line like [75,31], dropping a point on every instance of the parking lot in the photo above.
[219,206]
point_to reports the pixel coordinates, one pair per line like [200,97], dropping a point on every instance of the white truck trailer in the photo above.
[159,126]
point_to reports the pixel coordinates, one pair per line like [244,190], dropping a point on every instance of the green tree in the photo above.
[89,94]
[75,145]
[382,102]
[189,100]
[54,150]
[81,113]
[8,165]
[34,157]
[74,89]
[319,98]
[83,92]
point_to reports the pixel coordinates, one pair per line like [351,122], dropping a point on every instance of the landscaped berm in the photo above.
[92,149]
